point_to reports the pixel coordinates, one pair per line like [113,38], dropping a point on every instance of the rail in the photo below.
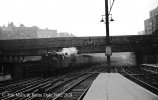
[141,82]
[18,91]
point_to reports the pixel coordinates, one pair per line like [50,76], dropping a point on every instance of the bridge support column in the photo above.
[18,71]
[146,58]
[149,59]
[157,58]
[18,58]
[139,57]
[1,60]
[7,58]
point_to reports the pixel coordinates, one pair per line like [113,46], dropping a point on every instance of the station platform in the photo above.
[114,86]
[153,65]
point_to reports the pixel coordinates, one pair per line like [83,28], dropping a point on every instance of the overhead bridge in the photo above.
[129,43]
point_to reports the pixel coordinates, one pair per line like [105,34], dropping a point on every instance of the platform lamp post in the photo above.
[108,51]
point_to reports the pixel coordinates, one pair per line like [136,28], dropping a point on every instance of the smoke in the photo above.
[69,51]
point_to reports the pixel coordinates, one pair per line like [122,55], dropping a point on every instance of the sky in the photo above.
[79,17]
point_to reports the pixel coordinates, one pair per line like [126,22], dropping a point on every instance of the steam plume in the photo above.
[69,51]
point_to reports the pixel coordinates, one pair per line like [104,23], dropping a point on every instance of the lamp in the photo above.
[111,19]
[102,20]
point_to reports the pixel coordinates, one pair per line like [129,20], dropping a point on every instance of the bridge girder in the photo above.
[83,44]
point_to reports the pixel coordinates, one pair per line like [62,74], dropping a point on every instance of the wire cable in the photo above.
[111,6]
[110,3]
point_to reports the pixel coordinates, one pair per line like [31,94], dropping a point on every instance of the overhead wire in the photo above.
[111,5]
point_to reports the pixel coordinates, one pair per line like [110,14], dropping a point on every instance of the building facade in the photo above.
[151,24]
[154,12]
[65,34]
[46,33]
[141,32]
[21,32]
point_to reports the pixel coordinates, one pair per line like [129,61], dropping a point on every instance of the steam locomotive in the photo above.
[55,62]
[49,63]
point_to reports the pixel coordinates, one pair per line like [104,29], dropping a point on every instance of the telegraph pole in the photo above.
[107,33]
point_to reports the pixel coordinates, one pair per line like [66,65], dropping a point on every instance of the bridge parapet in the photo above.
[83,44]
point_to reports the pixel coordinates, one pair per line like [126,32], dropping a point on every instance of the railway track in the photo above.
[45,88]
[79,89]
[3,83]
[146,80]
